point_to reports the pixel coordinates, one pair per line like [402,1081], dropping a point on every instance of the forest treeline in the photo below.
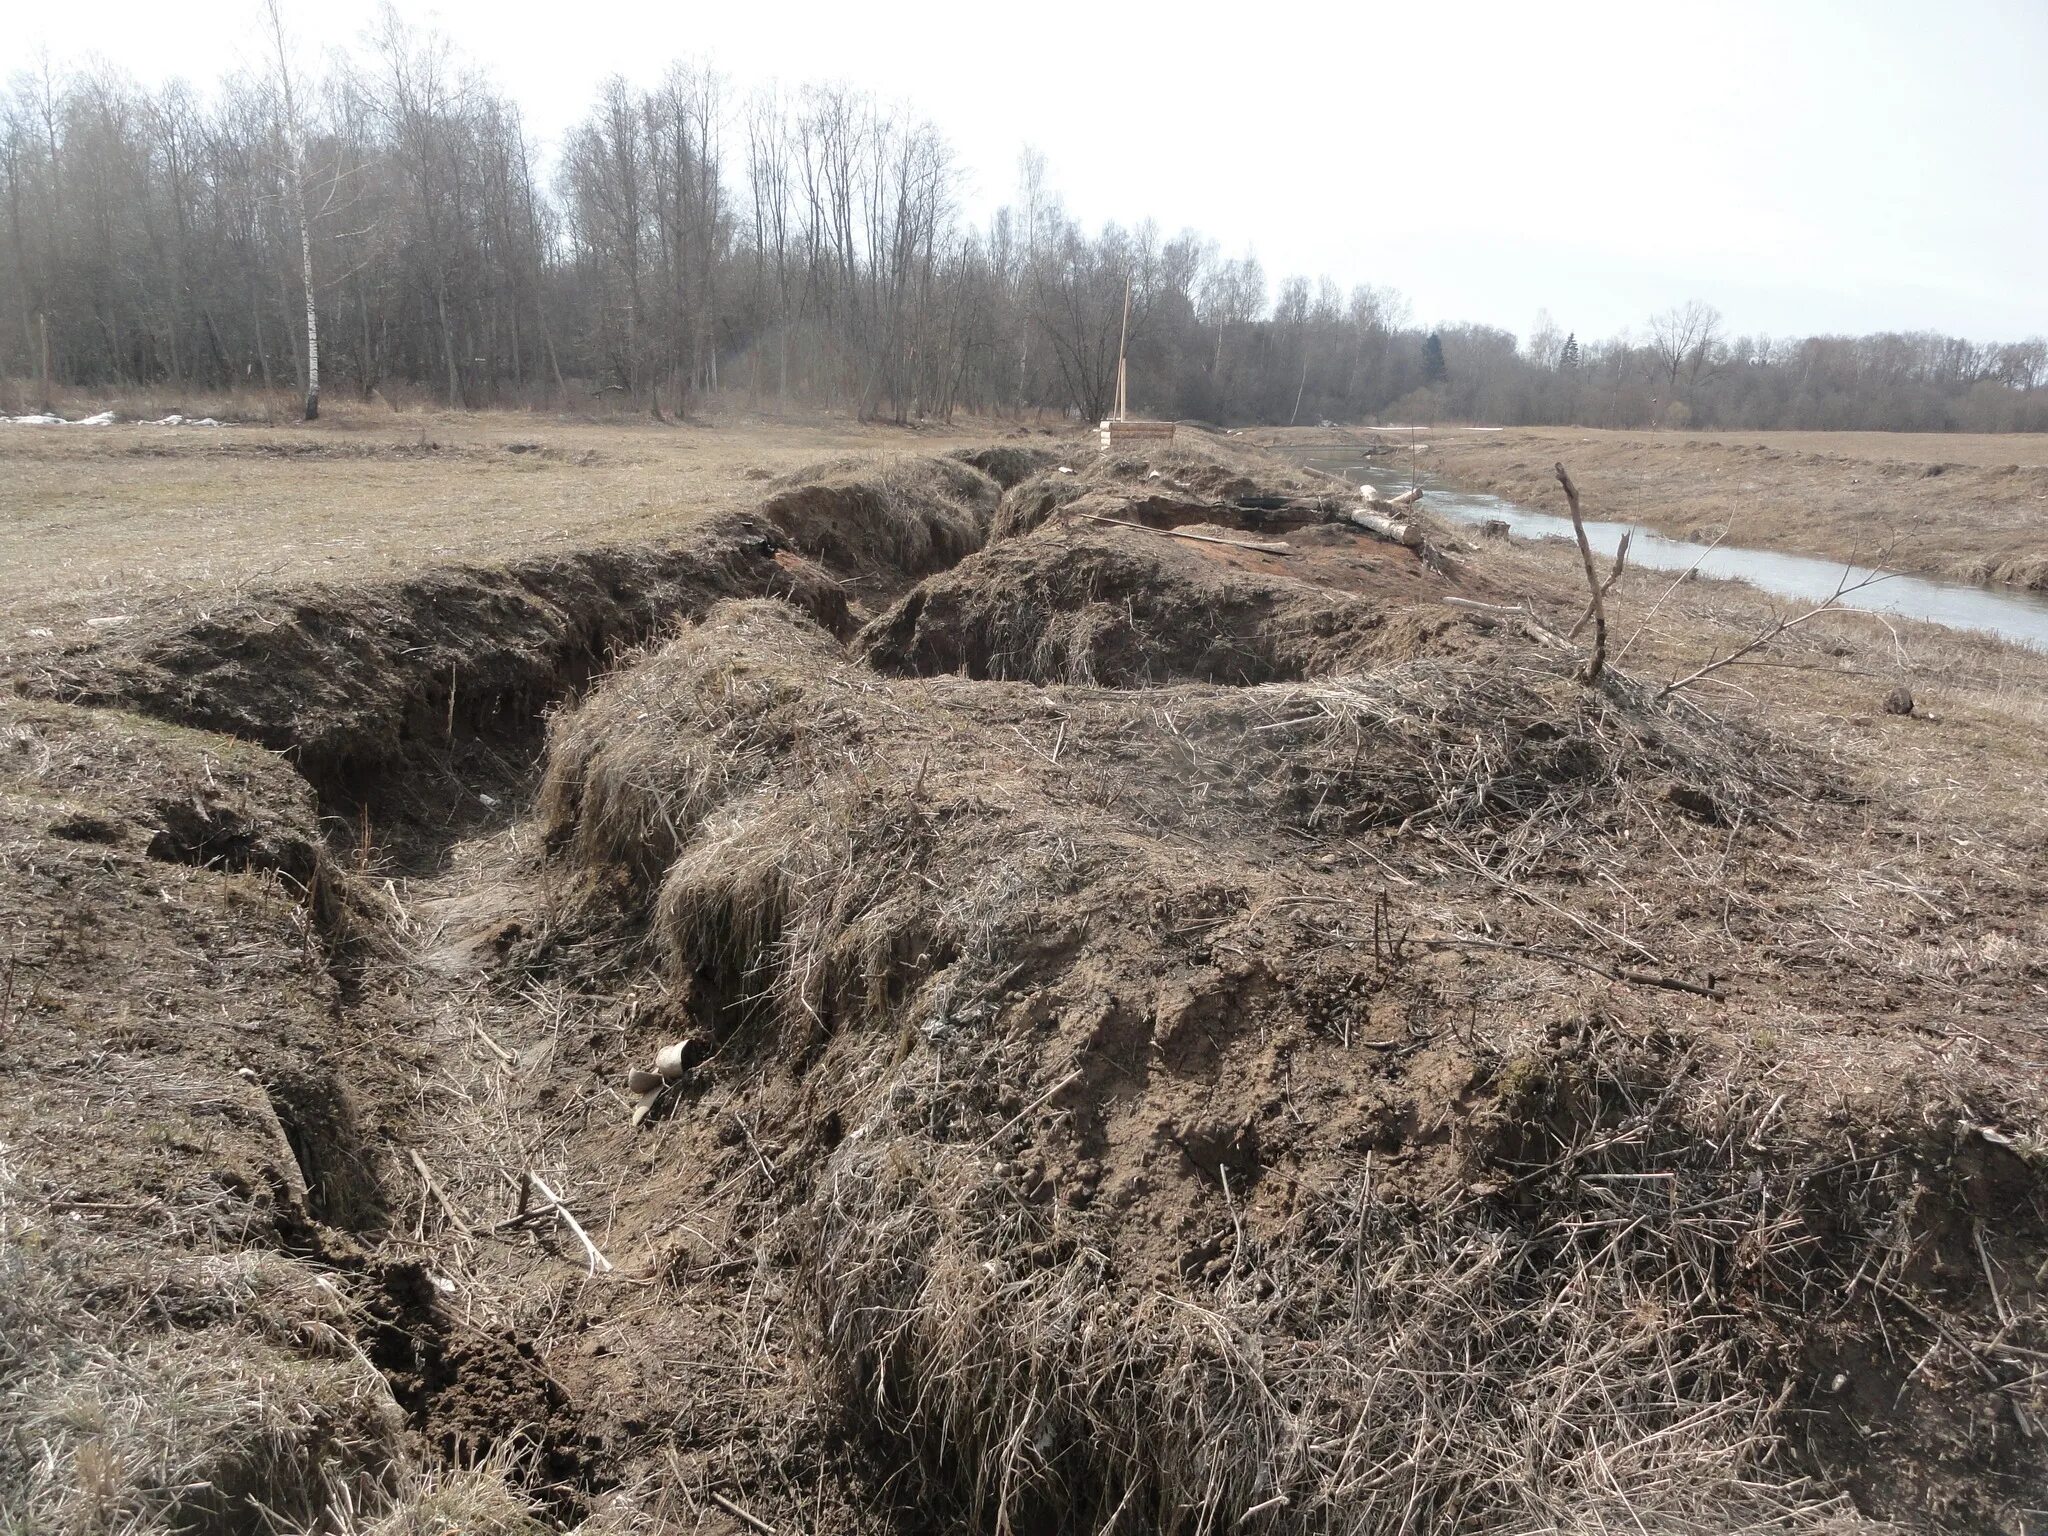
[802,247]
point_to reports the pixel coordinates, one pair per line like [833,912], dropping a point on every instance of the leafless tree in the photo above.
[1683,339]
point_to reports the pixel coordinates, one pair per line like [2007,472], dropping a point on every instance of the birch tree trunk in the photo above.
[292,182]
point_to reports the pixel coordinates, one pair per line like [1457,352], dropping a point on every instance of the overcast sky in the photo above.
[1804,165]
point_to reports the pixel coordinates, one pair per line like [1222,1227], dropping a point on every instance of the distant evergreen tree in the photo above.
[1569,357]
[1433,359]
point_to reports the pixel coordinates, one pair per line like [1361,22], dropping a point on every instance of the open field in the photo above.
[97,521]
[1955,506]
[1168,1035]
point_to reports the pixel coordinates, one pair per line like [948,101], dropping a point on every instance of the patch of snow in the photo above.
[103,419]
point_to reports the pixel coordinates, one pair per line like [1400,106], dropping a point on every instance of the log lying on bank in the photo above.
[1386,517]
[1381,526]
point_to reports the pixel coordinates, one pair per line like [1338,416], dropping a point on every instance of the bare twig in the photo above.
[440,1195]
[1607,586]
[742,1515]
[1843,588]
[598,1262]
[1682,577]
[1624,974]
[1596,663]
[1182,533]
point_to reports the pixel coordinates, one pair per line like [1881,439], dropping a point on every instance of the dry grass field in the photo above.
[625,979]
[1959,507]
[95,522]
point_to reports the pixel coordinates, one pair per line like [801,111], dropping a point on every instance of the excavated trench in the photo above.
[1089,1120]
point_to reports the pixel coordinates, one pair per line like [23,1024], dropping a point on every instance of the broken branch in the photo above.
[440,1195]
[1607,586]
[1843,588]
[1181,533]
[1598,661]
[598,1262]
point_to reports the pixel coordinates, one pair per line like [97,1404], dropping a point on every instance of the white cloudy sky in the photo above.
[1806,165]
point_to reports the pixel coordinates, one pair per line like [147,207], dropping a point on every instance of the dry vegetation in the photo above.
[97,522]
[1183,1037]
[1955,506]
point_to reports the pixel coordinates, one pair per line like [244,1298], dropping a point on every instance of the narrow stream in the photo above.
[2020,617]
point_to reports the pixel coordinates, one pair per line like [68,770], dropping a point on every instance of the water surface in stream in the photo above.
[2020,617]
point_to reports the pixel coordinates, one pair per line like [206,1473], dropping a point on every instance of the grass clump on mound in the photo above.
[1191,470]
[1126,610]
[881,519]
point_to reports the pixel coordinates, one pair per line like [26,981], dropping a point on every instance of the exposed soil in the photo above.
[1181,1036]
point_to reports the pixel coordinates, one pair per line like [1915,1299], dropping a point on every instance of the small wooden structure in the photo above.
[1119,431]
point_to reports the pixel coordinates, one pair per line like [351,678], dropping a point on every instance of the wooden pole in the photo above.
[1123,342]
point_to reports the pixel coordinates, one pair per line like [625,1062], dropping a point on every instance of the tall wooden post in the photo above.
[1122,342]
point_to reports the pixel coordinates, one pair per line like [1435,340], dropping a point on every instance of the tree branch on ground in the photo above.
[1845,587]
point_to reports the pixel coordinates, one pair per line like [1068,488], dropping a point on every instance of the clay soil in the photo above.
[1959,507]
[1175,1035]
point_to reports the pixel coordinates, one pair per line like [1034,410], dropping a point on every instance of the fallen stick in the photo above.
[1633,978]
[440,1195]
[742,1515]
[496,1049]
[1533,627]
[598,1262]
[1182,533]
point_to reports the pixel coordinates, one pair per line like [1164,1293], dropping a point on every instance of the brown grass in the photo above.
[1130,1107]
[845,869]
[96,522]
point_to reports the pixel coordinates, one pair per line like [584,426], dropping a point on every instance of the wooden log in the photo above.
[1407,535]
[1182,533]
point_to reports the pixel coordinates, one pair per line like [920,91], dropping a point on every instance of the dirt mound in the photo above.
[1349,1076]
[1092,604]
[174,1130]
[1186,480]
[1166,1108]
[879,521]
[357,681]
[1009,464]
